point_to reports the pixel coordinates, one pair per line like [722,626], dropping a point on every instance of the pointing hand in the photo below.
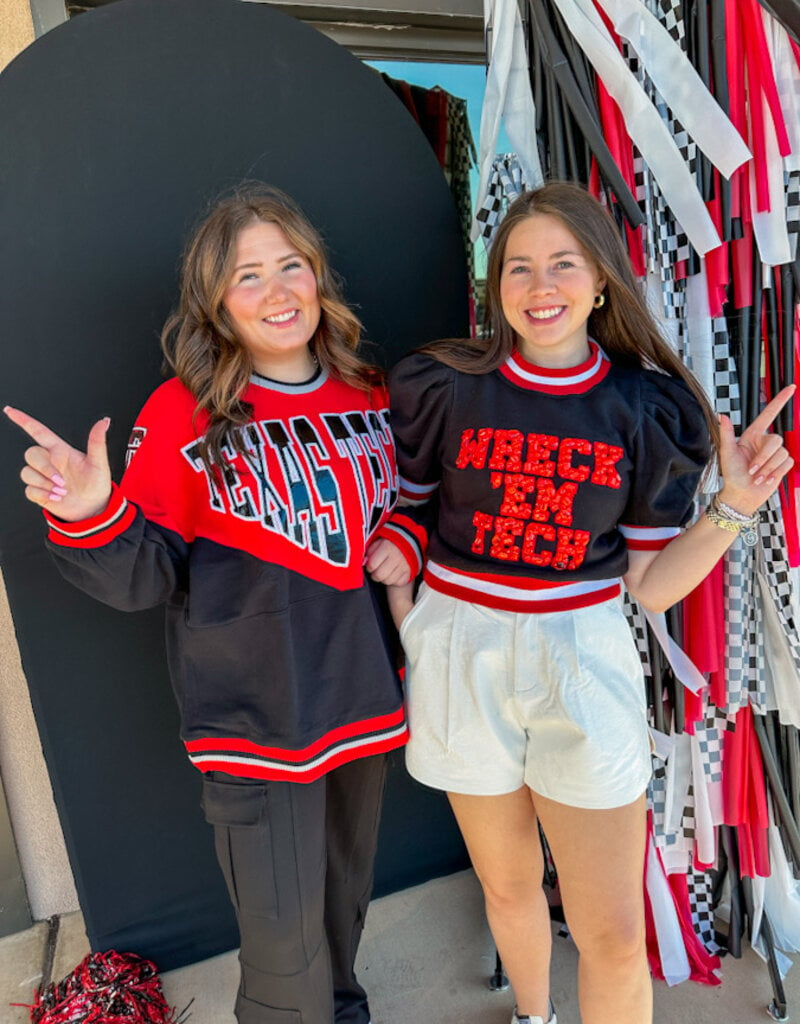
[69,483]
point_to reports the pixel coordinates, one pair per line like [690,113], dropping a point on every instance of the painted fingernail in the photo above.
[52,496]
[59,490]
[752,469]
[58,480]
[759,480]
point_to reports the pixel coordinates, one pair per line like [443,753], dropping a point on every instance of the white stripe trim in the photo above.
[482,586]
[421,489]
[649,532]
[95,529]
[409,538]
[558,382]
[306,766]
[303,388]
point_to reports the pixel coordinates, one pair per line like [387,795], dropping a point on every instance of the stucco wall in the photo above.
[40,843]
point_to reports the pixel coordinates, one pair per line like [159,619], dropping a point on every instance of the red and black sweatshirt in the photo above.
[541,479]
[276,647]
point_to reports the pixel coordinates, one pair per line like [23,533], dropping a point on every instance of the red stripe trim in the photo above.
[257,771]
[648,545]
[558,380]
[558,371]
[558,389]
[97,531]
[415,497]
[345,732]
[507,604]
[522,583]
[413,556]
[410,526]
[648,538]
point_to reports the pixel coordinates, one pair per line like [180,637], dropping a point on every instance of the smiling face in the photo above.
[548,284]
[273,303]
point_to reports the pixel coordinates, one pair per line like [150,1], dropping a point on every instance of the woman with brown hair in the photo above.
[563,453]
[256,477]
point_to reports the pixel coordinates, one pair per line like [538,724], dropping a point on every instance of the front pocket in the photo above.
[238,812]
[226,585]
[423,590]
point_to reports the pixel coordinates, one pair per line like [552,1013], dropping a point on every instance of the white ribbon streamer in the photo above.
[671,950]
[705,835]
[787,80]
[783,693]
[685,670]
[643,123]
[508,98]
[769,226]
[682,89]
[699,331]
[777,895]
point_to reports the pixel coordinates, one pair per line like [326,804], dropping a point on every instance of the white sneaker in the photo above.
[534,1020]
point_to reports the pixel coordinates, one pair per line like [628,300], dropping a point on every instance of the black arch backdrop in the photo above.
[117,128]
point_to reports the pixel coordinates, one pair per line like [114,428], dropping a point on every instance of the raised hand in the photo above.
[71,484]
[753,467]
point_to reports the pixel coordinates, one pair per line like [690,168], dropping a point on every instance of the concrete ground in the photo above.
[426,958]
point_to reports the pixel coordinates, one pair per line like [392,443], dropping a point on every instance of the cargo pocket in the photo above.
[238,811]
[250,1012]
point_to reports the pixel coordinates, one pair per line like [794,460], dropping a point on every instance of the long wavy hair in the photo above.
[199,342]
[623,326]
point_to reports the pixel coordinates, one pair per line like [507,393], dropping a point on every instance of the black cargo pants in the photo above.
[298,862]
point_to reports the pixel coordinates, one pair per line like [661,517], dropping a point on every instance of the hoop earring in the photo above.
[599,301]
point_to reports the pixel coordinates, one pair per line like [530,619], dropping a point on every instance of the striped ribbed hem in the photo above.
[348,743]
[115,518]
[415,494]
[409,537]
[513,594]
[648,538]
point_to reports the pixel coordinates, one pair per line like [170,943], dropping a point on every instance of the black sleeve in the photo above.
[672,450]
[119,557]
[421,394]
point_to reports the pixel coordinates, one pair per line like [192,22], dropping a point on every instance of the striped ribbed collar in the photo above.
[302,388]
[572,380]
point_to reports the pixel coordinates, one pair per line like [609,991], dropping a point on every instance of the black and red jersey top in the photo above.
[276,646]
[543,479]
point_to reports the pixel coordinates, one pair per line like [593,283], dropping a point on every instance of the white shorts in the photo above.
[498,699]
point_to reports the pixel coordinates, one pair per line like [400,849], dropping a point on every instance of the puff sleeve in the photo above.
[420,392]
[672,449]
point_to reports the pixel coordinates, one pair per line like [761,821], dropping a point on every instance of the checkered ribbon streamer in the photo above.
[702,908]
[744,649]
[506,182]
[727,395]
[793,209]
[666,241]
[638,624]
[657,803]
[670,14]
[773,562]
[710,737]
[688,827]
[460,158]
[679,843]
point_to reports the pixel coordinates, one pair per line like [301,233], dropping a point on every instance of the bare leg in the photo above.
[599,857]
[503,843]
